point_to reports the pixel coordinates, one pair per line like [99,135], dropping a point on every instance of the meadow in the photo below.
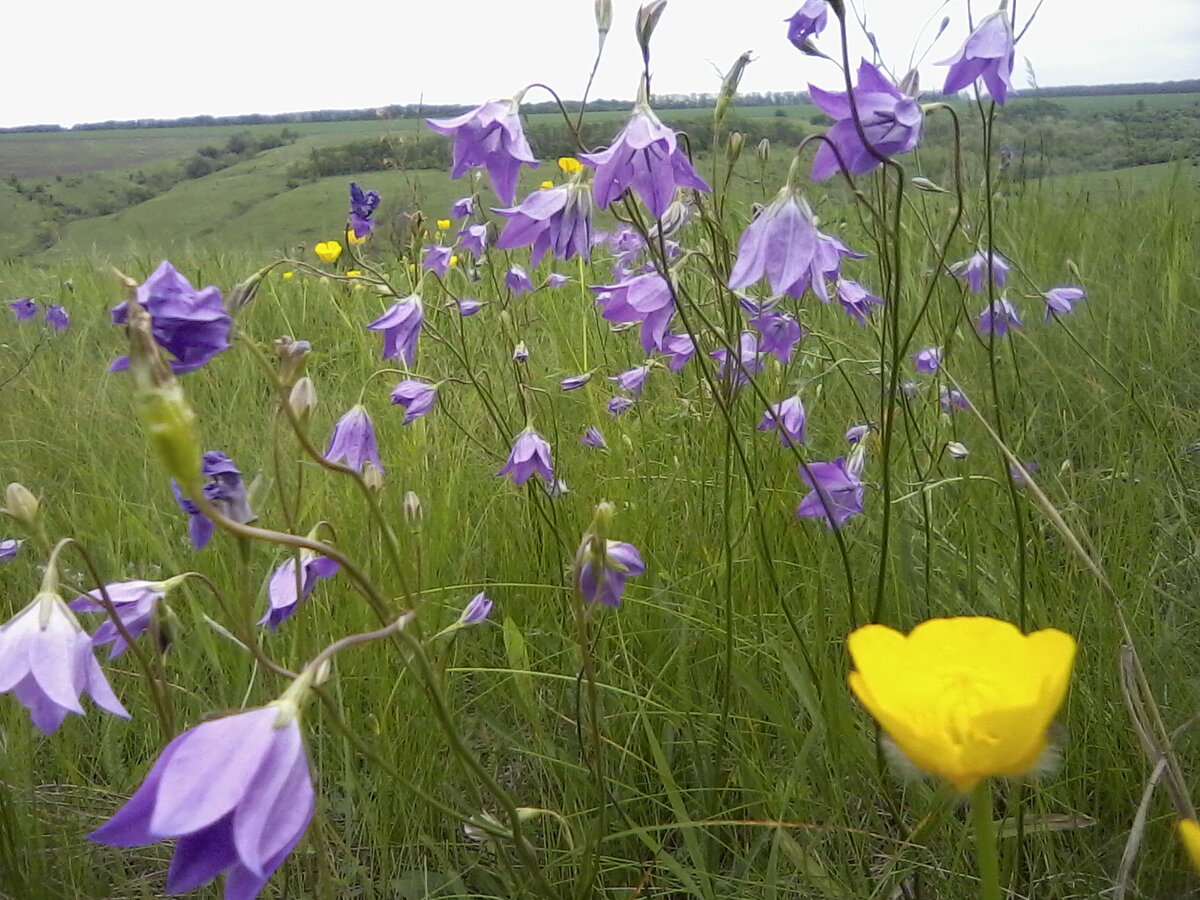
[699,740]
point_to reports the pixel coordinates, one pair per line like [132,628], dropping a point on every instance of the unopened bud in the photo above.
[733,149]
[292,356]
[241,295]
[604,17]
[413,511]
[647,20]
[1074,270]
[520,353]
[929,187]
[20,504]
[303,398]
[602,519]
[957,450]
[372,476]
[910,84]
[763,151]
[729,87]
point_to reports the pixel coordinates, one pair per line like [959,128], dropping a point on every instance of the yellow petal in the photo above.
[443,224]
[547,184]
[1189,834]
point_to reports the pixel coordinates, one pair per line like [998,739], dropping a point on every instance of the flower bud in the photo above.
[910,84]
[520,353]
[414,514]
[729,87]
[303,398]
[292,356]
[733,149]
[372,476]
[1074,270]
[763,151]
[957,450]
[604,17]
[20,504]
[647,20]
[241,295]
[929,187]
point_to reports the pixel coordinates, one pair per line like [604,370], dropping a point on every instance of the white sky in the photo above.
[82,61]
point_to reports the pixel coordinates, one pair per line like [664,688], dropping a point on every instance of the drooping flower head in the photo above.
[362,206]
[401,327]
[951,398]
[477,610]
[808,21]
[999,316]
[634,379]
[191,325]
[890,119]
[135,603]
[618,406]
[594,438]
[225,489]
[788,418]
[602,580]
[556,280]
[643,298]
[517,280]
[989,54]
[416,397]
[646,158]
[9,547]
[491,136]
[286,590]
[46,661]
[468,306]
[836,492]
[856,300]
[530,455]
[749,360]
[855,433]
[353,441]
[974,270]
[1062,300]
[463,208]
[473,239]
[680,348]
[56,317]
[779,333]
[928,360]
[965,698]
[558,220]
[574,382]
[200,526]
[240,812]
[437,259]
[24,309]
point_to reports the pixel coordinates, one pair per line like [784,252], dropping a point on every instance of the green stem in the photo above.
[985,841]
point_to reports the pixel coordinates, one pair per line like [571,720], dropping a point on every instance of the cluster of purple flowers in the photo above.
[26,310]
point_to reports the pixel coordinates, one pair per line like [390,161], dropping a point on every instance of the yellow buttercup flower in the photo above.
[352,238]
[1189,834]
[963,698]
[353,273]
[547,184]
[569,164]
[443,224]
[328,251]
[288,276]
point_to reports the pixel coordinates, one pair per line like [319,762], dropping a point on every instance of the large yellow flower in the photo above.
[1189,833]
[963,698]
[569,164]
[328,251]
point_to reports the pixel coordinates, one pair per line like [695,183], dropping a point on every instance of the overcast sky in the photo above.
[128,59]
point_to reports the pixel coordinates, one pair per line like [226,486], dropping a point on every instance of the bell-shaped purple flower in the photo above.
[618,406]
[680,348]
[463,208]
[856,300]
[401,327]
[642,298]
[353,441]
[437,259]
[808,21]
[951,398]
[890,119]
[477,610]
[225,489]
[788,418]
[491,136]
[779,333]
[520,352]
[835,492]
[557,219]
[193,326]
[24,309]
[999,316]
[46,661]
[472,239]
[286,591]
[647,158]
[56,317]
[574,382]
[236,792]
[749,360]
[362,206]
[1061,300]
[200,526]
[634,379]
[416,397]
[989,54]
[603,580]
[594,438]
[855,433]
[530,455]
[517,280]
[556,279]
[134,603]
[9,547]
[928,360]
[974,270]
[468,306]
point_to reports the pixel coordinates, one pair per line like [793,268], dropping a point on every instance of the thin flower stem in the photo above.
[985,841]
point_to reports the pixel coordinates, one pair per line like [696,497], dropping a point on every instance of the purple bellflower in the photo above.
[416,397]
[491,136]
[477,610]
[680,348]
[808,21]
[520,352]
[780,333]
[618,406]
[556,279]
[989,54]
[9,547]
[928,360]
[788,417]
[890,119]
[530,455]
[574,382]
[999,317]
[463,208]
[353,441]
[200,526]
[749,360]
[634,379]
[24,309]
[603,580]
[134,603]
[557,219]
[951,398]
[282,595]
[974,270]
[472,239]
[437,259]
[835,492]
[193,326]
[401,327]
[468,306]
[856,300]
[56,317]
[225,489]
[594,439]
[647,158]
[1061,300]
[855,433]
[362,206]
[240,812]
[643,298]
[517,281]
[46,661]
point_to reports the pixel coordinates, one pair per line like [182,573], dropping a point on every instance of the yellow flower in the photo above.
[288,276]
[453,259]
[963,698]
[569,164]
[353,273]
[328,251]
[1189,834]
[547,184]
[443,224]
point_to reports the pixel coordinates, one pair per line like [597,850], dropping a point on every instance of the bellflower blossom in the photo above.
[468,306]
[362,207]
[530,455]
[473,239]
[618,406]
[9,548]
[558,220]
[556,280]
[951,398]
[46,661]
[517,281]
[477,610]
[603,580]
[788,417]
[890,119]
[1061,300]
[998,317]
[680,348]
[193,326]
[855,433]
[646,157]
[225,489]
[491,136]
[353,441]
[974,270]
[748,356]
[416,397]
[56,317]
[835,494]
[594,439]
[437,259]
[780,333]
[808,21]
[200,526]
[574,382]
[240,812]
[856,300]
[463,208]
[134,603]
[928,360]
[520,352]
[282,598]
[633,380]
[401,327]
[643,298]
[989,54]
[24,309]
